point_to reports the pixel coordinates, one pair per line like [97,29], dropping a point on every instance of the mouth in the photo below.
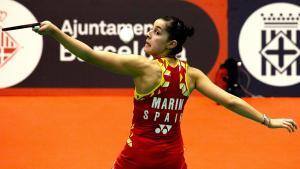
[147,43]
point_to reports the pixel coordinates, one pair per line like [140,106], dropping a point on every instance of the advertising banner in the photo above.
[29,60]
[265,37]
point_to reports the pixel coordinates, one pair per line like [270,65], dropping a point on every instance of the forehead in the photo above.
[160,23]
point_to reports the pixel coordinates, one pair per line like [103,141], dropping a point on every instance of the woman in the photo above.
[162,87]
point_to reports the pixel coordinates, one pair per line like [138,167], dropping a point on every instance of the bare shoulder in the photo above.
[134,59]
[150,77]
[193,71]
[194,75]
[152,67]
[146,64]
[146,67]
[139,64]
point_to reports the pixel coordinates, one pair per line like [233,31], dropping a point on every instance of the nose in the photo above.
[148,35]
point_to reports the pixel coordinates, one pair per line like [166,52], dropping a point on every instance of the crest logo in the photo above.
[8,46]
[20,50]
[269,44]
[3,15]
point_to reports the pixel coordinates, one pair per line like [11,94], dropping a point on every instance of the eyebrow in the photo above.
[158,27]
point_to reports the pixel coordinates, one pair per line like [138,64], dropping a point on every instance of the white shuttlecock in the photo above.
[126,34]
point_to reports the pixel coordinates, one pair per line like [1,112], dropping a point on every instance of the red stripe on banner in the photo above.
[2,34]
[9,50]
[0,57]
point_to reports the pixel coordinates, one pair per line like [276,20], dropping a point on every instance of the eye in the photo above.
[157,32]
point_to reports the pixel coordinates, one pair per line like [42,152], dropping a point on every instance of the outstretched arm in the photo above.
[132,65]
[235,104]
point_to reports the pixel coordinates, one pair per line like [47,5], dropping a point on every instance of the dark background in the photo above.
[202,48]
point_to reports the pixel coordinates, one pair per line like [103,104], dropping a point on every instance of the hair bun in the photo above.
[189,31]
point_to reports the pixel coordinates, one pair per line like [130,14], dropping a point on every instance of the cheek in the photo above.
[159,44]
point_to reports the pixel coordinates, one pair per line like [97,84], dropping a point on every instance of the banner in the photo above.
[265,37]
[47,64]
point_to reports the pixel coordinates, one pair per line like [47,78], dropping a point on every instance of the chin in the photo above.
[150,52]
[147,51]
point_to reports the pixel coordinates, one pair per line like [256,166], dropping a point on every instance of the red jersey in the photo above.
[155,141]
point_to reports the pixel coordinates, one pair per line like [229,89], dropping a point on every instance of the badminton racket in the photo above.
[21,27]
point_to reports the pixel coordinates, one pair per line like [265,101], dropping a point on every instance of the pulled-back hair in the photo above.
[177,31]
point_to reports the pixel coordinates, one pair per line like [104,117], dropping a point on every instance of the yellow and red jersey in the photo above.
[155,139]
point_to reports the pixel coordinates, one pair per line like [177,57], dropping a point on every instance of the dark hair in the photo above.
[177,31]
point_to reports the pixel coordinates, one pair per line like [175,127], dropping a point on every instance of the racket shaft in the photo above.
[20,27]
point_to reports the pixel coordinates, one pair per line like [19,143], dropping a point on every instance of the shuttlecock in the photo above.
[126,34]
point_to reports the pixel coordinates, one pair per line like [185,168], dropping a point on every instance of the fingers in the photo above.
[290,125]
[287,127]
[293,123]
[44,24]
[44,28]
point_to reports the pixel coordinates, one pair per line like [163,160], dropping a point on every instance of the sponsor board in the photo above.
[20,51]
[100,24]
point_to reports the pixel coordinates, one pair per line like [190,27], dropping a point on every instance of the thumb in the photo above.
[42,28]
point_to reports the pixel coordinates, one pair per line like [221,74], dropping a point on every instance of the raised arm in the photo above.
[202,83]
[131,65]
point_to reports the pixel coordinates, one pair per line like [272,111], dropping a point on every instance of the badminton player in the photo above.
[162,87]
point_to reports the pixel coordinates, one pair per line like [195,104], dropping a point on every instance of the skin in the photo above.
[146,73]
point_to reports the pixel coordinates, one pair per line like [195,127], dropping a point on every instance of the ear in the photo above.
[172,44]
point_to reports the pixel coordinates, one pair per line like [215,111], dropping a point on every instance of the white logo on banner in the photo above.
[269,44]
[20,50]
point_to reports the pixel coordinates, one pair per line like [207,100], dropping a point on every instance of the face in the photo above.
[157,43]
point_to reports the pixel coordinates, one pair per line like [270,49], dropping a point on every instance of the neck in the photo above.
[172,60]
[166,56]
